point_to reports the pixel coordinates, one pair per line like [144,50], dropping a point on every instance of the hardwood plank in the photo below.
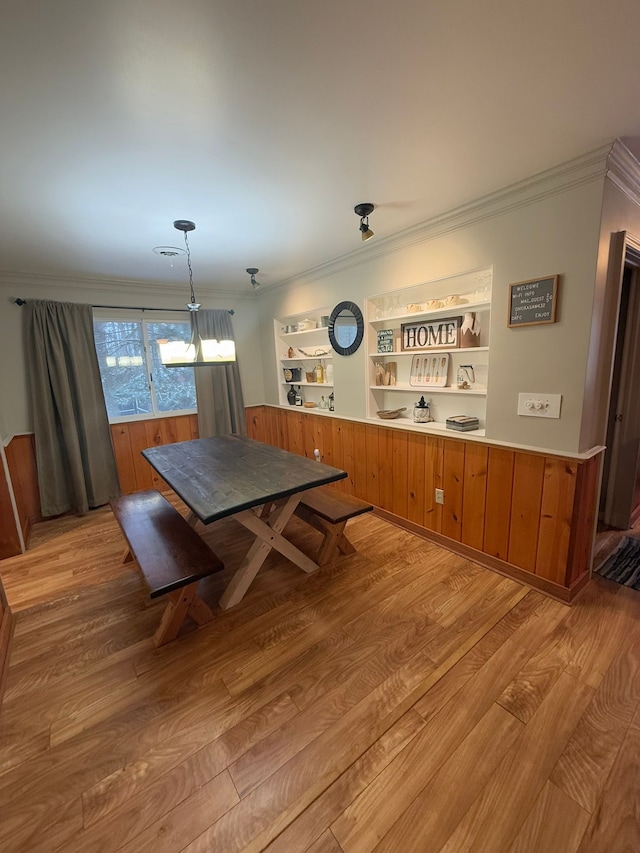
[438,807]
[385,468]
[367,820]
[325,844]
[555,822]
[615,824]
[585,763]
[305,829]
[498,813]
[124,457]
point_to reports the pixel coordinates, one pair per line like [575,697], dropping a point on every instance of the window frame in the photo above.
[114,315]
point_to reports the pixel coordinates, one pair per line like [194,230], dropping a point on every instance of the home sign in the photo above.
[433,334]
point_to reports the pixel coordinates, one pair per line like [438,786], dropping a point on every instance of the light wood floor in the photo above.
[403,700]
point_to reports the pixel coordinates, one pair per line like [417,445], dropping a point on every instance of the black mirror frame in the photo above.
[357,313]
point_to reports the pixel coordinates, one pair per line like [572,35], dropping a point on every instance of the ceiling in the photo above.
[266,122]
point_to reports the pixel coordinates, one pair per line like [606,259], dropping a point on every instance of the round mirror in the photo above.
[346,328]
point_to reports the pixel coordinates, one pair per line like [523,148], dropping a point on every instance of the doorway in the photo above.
[619,506]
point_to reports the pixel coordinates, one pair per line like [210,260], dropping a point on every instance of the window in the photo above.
[134,381]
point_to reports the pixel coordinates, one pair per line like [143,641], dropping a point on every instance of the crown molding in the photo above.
[581,170]
[117,286]
[624,171]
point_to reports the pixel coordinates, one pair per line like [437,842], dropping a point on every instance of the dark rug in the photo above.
[623,566]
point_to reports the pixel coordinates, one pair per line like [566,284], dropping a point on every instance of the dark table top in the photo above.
[217,477]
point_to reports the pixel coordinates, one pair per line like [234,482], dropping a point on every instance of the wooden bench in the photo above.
[328,511]
[172,557]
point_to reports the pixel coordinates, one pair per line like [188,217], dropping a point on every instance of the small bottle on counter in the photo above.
[331,409]
[299,397]
[291,396]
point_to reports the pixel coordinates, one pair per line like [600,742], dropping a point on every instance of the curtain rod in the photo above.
[22,302]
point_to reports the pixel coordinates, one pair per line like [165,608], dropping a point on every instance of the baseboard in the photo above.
[554,590]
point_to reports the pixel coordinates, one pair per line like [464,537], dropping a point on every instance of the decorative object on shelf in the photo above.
[328,373]
[309,404]
[462,423]
[385,340]
[310,375]
[414,308]
[323,404]
[346,328]
[386,374]
[306,324]
[363,210]
[299,397]
[253,271]
[470,330]
[331,406]
[324,320]
[429,370]
[292,374]
[422,412]
[466,377]
[291,353]
[317,353]
[319,371]
[533,302]
[390,414]
[199,352]
[431,334]
[291,396]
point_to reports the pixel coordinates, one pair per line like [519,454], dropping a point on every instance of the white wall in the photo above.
[14,403]
[552,227]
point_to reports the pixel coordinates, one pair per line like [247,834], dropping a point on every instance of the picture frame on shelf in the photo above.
[429,371]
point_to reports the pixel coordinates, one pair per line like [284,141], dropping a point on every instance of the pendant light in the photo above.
[199,352]
[363,210]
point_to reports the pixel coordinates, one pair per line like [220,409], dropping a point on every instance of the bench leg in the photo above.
[127,557]
[179,605]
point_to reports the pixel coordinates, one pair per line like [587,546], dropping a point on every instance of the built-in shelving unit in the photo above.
[456,296]
[303,353]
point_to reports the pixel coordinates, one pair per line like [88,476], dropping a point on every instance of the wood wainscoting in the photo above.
[133,472]
[528,515]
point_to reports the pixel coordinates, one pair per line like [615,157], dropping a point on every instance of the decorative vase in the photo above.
[470,330]
[422,412]
[291,396]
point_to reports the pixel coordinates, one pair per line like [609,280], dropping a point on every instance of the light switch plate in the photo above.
[539,405]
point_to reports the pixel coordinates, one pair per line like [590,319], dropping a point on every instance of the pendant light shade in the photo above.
[200,351]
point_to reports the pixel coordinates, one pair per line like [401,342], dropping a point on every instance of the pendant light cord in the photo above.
[193,295]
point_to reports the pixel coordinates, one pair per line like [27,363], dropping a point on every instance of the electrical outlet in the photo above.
[439,496]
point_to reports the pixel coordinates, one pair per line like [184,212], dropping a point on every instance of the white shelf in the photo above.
[427,352]
[432,426]
[308,358]
[304,333]
[450,311]
[428,389]
[310,384]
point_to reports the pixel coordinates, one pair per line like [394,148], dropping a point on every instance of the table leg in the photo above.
[268,536]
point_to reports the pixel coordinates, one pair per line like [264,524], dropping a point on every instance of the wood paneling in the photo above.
[7,624]
[497,519]
[526,498]
[9,537]
[521,509]
[129,439]
[475,494]
[453,485]
[21,461]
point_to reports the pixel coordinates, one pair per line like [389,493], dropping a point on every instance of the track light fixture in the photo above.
[363,210]
[253,271]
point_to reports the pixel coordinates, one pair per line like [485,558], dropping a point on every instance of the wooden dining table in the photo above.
[257,484]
